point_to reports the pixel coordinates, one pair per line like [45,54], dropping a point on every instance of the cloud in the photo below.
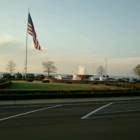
[4,39]
[7,41]
[66,60]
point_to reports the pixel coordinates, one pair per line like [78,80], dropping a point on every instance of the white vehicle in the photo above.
[1,76]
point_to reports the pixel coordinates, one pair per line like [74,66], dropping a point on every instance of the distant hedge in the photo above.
[134,86]
[23,96]
[66,91]
[4,83]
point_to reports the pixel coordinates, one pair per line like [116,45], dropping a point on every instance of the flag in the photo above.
[31,31]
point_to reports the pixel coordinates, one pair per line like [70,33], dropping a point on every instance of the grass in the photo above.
[22,85]
[21,90]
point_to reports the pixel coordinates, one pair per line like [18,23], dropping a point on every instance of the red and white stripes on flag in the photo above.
[31,31]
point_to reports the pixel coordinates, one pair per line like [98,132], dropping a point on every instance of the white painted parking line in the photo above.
[124,111]
[29,112]
[93,112]
[112,116]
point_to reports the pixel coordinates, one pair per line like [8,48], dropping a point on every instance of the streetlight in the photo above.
[106,66]
[93,68]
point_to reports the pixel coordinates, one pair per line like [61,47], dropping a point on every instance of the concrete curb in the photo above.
[65,101]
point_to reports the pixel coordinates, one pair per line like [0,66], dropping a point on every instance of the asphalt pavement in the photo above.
[99,120]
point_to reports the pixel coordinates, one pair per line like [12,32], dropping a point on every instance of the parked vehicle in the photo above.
[47,78]
[133,80]
[110,79]
[39,77]
[18,76]
[97,79]
[29,77]
[6,75]
[1,76]
[126,79]
[120,80]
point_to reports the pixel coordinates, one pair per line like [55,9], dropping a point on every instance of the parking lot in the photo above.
[71,121]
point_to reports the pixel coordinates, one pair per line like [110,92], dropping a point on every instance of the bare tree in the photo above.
[49,67]
[136,70]
[101,71]
[11,66]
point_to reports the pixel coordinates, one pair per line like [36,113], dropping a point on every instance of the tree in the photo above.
[136,70]
[11,66]
[49,67]
[101,71]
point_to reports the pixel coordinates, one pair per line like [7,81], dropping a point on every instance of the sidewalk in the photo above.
[64,101]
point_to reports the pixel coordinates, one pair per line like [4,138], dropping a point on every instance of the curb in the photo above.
[66,101]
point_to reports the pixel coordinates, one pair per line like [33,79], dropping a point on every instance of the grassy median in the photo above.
[37,85]
[22,90]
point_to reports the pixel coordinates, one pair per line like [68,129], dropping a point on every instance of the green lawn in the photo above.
[22,85]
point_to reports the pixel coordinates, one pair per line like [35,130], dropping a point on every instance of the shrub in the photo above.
[5,84]
[94,83]
[69,82]
[45,81]
[3,80]
[29,80]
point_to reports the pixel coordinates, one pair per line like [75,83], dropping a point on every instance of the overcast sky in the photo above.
[72,33]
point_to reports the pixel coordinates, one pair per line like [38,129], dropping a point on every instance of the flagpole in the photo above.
[26,47]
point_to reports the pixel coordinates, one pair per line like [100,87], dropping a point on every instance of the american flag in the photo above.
[31,31]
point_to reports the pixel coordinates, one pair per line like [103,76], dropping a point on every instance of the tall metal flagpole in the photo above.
[26,47]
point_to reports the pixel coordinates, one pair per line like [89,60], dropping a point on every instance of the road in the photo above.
[71,121]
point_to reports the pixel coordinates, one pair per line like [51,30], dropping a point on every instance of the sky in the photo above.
[90,33]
